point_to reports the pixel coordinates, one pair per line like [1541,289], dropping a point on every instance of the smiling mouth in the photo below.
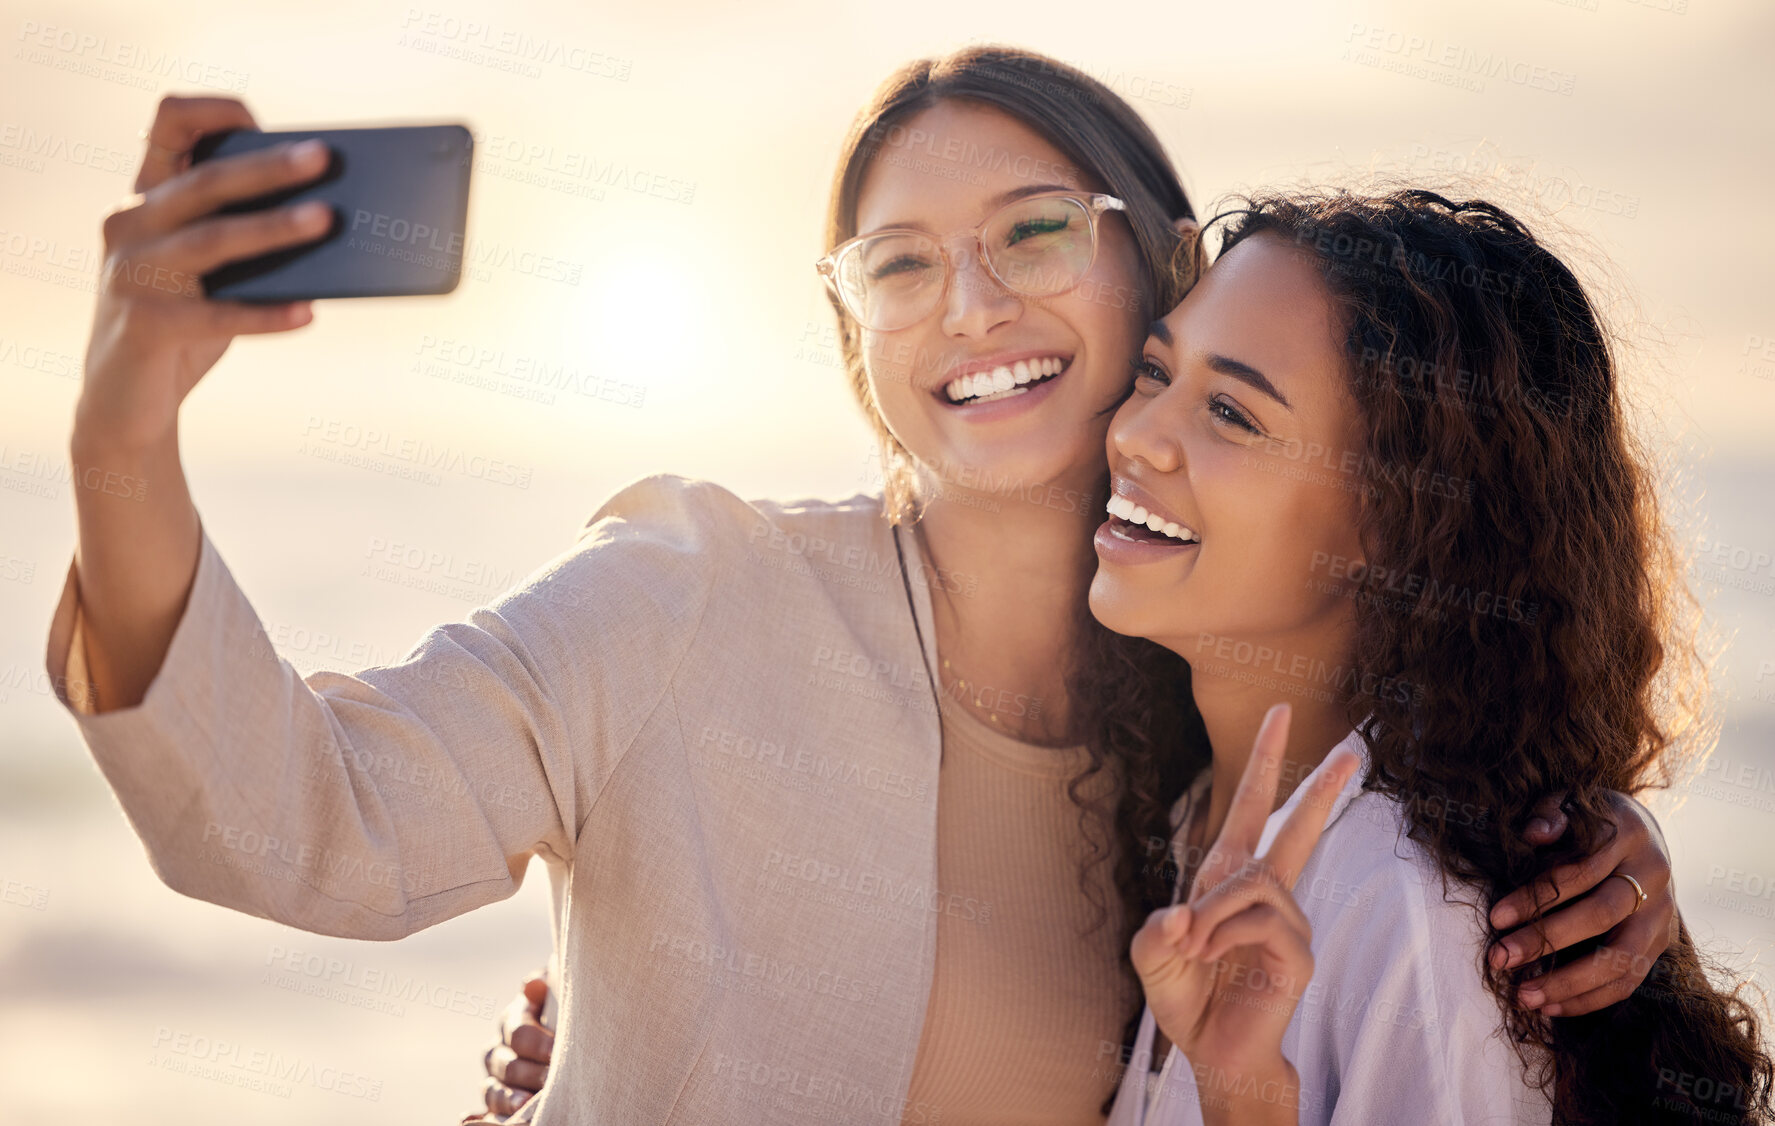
[1133,522]
[1005,381]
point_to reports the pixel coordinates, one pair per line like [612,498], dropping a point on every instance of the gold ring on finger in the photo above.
[1637,890]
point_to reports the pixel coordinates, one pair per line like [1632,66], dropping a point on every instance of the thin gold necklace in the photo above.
[962,686]
[959,690]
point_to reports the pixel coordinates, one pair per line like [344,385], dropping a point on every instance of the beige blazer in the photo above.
[714,717]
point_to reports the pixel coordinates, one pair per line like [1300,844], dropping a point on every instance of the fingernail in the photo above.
[304,153]
[1503,916]
[520,1100]
[1540,826]
[1511,954]
[1531,997]
[1552,1010]
[1498,956]
[312,213]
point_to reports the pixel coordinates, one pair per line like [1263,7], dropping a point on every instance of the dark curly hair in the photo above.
[1549,636]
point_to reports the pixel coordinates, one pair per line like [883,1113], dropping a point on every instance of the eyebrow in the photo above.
[1009,196]
[1226,365]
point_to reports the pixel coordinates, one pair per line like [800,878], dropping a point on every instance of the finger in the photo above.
[1265,926]
[199,191]
[1632,951]
[517,1073]
[1648,932]
[1548,822]
[1560,885]
[201,247]
[1603,966]
[1159,938]
[237,318]
[1300,834]
[1612,993]
[532,1041]
[501,1099]
[1254,883]
[1256,795]
[178,122]
[536,991]
[1595,913]
[512,1015]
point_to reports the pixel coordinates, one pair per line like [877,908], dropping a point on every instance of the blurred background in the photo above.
[646,207]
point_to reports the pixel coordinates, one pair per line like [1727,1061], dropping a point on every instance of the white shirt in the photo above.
[1396,1025]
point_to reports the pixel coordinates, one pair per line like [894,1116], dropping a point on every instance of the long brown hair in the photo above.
[1551,641]
[1098,131]
[1130,698]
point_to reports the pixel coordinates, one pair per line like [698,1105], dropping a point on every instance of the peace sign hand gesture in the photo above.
[1224,971]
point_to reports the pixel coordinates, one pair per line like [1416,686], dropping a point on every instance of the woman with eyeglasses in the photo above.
[850,807]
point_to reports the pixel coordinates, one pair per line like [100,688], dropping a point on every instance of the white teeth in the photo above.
[984,385]
[1003,395]
[1120,506]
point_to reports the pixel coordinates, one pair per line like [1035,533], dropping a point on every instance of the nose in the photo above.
[976,303]
[1144,429]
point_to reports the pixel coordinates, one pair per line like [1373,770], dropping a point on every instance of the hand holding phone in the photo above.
[206,227]
[153,335]
[399,201]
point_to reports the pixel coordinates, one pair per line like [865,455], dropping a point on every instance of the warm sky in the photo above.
[1656,135]
[1645,124]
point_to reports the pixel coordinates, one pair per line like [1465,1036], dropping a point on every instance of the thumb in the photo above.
[1159,940]
[1548,823]
[536,991]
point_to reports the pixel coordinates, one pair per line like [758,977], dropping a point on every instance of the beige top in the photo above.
[1025,1019]
[713,717]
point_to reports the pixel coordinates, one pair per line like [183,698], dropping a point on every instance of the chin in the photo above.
[1133,610]
[1115,608]
[1018,467]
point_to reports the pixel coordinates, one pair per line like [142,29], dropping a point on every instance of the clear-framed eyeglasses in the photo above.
[1042,245]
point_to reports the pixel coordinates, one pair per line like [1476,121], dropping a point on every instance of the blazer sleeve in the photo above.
[373,805]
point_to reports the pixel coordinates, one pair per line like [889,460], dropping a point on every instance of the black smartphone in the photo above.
[400,215]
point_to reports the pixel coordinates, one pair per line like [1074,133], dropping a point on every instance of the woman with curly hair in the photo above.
[1384,446]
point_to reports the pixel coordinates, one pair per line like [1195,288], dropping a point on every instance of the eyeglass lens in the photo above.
[1038,247]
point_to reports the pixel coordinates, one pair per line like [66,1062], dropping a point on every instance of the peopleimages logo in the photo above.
[403,230]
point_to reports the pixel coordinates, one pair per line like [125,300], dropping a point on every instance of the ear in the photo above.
[1187,262]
